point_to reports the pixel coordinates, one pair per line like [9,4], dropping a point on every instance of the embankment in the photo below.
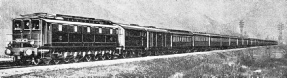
[265,61]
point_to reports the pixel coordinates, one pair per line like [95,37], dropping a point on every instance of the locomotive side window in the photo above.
[54,27]
[106,30]
[88,29]
[92,30]
[75,28]
[69,28]
[111,31]
[60,28]
[17,24]
[100,30]
[26,24]
[115,31]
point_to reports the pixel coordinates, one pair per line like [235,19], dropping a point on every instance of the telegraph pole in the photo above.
[241,25]
[280,29]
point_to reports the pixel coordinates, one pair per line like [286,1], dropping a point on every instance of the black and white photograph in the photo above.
[143,38]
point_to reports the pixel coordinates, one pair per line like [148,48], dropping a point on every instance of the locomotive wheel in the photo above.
[67,60]
[132,54]
[96,57]
[109,56]
[76,59]
[88,58]
[36,61]
[16,61]
[103,57]
[56,61]
[124,54]
[47,61]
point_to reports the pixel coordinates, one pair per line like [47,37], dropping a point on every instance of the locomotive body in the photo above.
[46,38]
[53,38]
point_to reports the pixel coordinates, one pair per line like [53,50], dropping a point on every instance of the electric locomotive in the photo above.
[42,37]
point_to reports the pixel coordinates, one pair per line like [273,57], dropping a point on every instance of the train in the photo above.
[43,38]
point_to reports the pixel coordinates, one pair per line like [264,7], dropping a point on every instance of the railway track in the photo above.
[8,69]
[11,65]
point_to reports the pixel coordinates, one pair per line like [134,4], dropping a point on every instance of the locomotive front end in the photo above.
[26,39]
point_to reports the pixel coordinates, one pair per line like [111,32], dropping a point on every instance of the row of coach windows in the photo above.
[225,39]
[215,39]
[200,38]
[182,39]
[83,29]
[135,33]
[233,40]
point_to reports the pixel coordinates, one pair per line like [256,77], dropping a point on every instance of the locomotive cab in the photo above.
[26,38]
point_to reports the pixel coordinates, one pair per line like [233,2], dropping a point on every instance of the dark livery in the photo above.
[47,38]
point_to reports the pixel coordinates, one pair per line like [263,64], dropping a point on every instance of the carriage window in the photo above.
[60,27]
[75,28]
[35,24]
[26,24]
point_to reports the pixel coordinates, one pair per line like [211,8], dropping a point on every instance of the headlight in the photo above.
[29,52]
[8,44]
[8,52]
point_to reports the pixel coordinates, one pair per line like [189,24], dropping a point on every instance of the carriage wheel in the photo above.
[36,61]
[160,52]
[149,53]
[139,54]
[155,53]
[88,58]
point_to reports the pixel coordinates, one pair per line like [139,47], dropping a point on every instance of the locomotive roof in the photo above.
[205,34]
[64,17]
[127,26]
[79,23]
[177,31]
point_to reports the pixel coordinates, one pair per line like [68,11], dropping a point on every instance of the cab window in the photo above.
[17,24]
[35,24]
[26,24]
